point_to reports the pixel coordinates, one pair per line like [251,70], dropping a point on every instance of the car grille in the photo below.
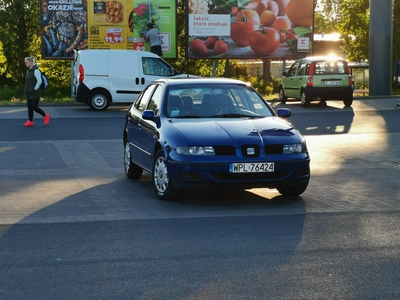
[224,150]
[229,150]
[274,149]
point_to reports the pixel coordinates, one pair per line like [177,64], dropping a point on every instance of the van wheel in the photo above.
[305,101]
[99,100]
[348,101]
[282,96]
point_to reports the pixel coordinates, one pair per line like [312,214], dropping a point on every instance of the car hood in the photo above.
[269,130]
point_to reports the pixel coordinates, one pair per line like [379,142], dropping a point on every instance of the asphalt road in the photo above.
[75,228]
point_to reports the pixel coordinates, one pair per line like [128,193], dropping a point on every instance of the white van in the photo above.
[102,77]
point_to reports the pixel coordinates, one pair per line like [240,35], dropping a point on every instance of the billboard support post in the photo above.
[380,47]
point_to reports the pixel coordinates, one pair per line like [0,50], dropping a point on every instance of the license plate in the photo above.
[331,82]
[251,167]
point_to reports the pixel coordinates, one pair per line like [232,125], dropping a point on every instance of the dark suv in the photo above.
[317,78]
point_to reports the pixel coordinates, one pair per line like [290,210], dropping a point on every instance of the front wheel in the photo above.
[99,100]
[282,96]
[162,183]
[305,100]
[294,190]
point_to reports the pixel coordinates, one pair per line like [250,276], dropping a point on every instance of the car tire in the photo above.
[305,100]
[282,96]
[348,102]
[132,170]
[162,183]
[99,100]
[294,190]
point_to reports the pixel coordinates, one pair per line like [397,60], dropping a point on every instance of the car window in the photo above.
[155,101]
[293,69]
[156,67]
[330,67]
[142,101]
[302,68]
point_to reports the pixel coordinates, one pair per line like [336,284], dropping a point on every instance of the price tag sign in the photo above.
[138,44]
[114,36]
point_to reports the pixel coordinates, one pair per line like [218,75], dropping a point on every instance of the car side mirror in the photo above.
[284,74]
[148,115]
[284,113]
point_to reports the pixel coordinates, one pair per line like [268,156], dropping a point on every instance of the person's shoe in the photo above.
[46,119]
[28,124]
[397,106]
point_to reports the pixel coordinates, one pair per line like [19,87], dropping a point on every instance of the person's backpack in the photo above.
[45,81]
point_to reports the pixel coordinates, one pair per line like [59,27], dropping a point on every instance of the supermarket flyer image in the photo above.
[277,29]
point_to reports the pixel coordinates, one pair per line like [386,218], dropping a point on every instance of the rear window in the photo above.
[330,67]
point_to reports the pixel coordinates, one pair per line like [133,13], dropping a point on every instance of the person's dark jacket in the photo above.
[397,69]
[30,83]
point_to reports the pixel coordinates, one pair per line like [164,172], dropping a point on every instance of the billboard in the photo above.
[63,28]
[162,13]
[68,25]
[243,29]
[108,26]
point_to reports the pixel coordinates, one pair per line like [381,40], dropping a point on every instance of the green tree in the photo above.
[19,34]
[354,29]
[327,16]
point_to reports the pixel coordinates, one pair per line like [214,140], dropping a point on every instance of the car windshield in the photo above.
[215,101]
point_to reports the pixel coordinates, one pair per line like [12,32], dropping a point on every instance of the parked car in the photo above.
[212,132]
[317,78]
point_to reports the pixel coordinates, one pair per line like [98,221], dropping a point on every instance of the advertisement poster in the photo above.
[63,28]
[108,24]
[162,13]
[276,29]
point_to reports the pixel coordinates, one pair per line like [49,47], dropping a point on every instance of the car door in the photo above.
[290,79]
[148,129]
[300,79]
[134,126]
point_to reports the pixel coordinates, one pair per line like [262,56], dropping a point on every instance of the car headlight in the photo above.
[195,150]
[294,148]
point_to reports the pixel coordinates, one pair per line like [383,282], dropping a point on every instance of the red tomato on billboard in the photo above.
[265,41]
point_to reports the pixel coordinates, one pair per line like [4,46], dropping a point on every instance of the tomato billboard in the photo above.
[276,29]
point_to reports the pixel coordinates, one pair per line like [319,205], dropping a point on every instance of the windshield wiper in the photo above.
[234,116]
[188,117]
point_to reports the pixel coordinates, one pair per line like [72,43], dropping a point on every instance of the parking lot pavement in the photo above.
[83,180]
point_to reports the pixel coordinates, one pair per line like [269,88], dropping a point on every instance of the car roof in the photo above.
[318,58]
[200,80]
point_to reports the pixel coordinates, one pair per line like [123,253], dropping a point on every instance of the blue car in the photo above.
[212,132]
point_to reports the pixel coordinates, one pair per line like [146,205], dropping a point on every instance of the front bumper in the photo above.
[192,175]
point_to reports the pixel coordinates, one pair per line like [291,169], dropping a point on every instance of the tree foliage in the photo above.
[354,29]
[19,30]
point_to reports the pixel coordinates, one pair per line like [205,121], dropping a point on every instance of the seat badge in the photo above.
[251,151]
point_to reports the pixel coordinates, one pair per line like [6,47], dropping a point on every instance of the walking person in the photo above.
[396,76]
[33,81]
[153,36]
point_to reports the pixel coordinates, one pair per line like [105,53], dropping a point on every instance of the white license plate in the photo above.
[331,82]
[251,167]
